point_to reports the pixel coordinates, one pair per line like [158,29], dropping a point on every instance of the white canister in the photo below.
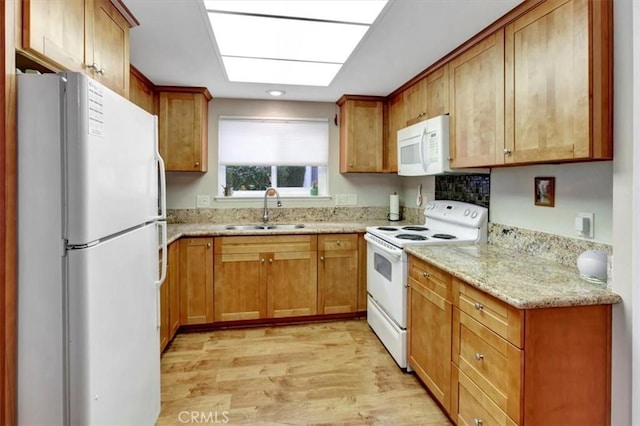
[592,265]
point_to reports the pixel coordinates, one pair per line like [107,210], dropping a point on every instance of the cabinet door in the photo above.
[196,281]
[164,314]
[173,276]
[547,83]
[240,287]
[337,273]
[476,97]
[396,121]
[415,102]
[291,284]
[362,273]
[429,337]
[54,29]
[182,122]
[361,136]
[437,88]
[107,45]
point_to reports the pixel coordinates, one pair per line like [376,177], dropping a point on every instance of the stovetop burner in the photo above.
[415,228]
[412,237]
[444,236]
[387,228]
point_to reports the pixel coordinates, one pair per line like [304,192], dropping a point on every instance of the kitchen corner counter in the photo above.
[176,231]
[519,279]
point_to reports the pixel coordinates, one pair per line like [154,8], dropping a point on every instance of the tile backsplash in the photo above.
[468,188]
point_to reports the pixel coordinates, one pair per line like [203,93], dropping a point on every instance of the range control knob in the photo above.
[474,214]
[466,212]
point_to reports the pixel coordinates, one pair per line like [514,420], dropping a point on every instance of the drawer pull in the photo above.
[479,356]
[425,274]
[477,422]
[478,306]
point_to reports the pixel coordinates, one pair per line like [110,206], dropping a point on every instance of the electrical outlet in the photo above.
[341,199]
[352,199]
[203,201]
[584,224]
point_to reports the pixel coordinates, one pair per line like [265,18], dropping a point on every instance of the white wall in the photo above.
[372,189]
[580,187]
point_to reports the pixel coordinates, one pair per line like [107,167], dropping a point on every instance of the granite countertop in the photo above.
[176,231]
[519,279]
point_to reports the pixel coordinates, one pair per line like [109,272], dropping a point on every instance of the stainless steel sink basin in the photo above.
[244,227]
[273,226]
[285,226]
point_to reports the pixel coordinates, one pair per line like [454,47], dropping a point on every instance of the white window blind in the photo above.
[280,142]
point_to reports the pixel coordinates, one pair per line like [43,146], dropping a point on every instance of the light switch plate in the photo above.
[203,201]
[352,200]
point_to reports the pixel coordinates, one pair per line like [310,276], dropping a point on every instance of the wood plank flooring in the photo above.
[323,373]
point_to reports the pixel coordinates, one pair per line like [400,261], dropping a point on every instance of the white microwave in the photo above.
[423,149]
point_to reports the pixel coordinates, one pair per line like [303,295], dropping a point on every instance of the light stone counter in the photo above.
[176,231]
[519,279]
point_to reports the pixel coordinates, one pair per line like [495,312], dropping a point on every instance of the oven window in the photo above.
[382,265]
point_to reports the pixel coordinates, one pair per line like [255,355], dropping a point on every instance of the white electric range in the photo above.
[447,222]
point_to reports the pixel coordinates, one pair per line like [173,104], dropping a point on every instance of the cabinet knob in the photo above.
[262,260]
[477,422]
[270,260]
[197,164]
[338,242]
[478,306]
[479,356]
[322,258]
[425,274]
[507,151]
[208,245]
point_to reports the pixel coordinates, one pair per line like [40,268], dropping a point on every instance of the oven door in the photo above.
[387,279]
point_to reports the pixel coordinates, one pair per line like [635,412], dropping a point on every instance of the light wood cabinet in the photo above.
[265,277]
[170,298]
[429,323]
[141,91]
[337,273]
[437,85]
[90,36]
[488,362]
[183,127]
[476,100]
[395,121]
[362,273]
[196,281]
[362,138]
[558,71]
[415,102]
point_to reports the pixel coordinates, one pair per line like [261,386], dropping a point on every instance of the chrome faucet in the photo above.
[269,191]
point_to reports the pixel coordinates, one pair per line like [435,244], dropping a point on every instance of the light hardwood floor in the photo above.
[323,373]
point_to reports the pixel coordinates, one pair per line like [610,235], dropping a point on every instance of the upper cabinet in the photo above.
[395,121]
[182,127]
[90,36]
[557,83]
[476,90]
[141,91]
[362,138]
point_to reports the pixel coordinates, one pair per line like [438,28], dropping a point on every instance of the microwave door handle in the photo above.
[424,149]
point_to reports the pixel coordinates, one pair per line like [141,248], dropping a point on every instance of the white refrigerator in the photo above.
[91,254]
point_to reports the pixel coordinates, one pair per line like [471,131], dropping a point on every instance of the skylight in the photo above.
[299,42]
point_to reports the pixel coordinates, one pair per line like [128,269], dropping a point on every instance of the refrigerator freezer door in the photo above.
[112,166]
[114,361]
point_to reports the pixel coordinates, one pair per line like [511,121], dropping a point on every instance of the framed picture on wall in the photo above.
[544,190]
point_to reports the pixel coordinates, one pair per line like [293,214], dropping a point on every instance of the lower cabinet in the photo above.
[170,298]
[196,281]
[488,362]
[265,277]
[337,273]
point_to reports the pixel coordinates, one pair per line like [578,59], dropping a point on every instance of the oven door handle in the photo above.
[396,252]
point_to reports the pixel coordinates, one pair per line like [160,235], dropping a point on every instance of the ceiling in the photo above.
[174,45]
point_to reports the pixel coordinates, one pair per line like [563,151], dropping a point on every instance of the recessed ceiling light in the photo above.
[276,92]
[298,43]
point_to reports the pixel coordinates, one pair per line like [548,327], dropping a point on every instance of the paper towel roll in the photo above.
[394,207]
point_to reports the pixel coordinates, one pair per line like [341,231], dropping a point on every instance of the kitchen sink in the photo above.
[264,227]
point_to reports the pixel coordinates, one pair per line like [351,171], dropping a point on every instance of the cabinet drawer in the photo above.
[338,242]
[493,364]
[429,276]
[498,316]
[265,244]
[476,408]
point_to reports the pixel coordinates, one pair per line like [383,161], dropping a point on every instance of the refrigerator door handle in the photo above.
[163,270]
[161,169]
